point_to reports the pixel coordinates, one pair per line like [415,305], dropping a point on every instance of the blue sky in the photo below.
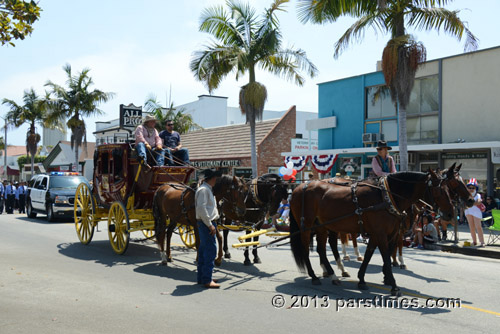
[136,48]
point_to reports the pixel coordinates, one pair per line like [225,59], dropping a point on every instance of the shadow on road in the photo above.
[43,220]
[100,251]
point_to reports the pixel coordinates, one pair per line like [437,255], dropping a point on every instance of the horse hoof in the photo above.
[316,281]
[362,286]
[336,282]
[218,262]
[170,259]
[247,263]
[345,274]
[396,292]
[227,256]
[257,260]
[360,258]
[347,258]
[164,263]
[395,264]
[403,266]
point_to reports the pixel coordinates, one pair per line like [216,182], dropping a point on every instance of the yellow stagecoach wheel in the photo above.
[187,236]
[148,233]
[84,210]
[118,226]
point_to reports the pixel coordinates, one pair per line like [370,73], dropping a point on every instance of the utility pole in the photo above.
[5,151]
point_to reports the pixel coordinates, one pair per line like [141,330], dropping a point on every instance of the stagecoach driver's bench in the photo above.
[147,139]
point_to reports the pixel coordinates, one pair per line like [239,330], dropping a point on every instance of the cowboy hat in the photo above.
[149,118]
[383,144]
[210,173]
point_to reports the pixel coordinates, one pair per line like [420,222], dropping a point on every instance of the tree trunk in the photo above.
[253,146]
[32,166]
[403,141]
[76,158]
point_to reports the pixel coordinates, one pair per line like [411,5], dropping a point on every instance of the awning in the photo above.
[10,171]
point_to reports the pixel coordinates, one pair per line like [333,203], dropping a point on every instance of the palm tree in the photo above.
[402,54]
[33,112]
[246,42]
[74,103]
[183,121]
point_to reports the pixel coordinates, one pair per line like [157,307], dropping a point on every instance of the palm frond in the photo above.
[214,63]
[356,31]
[244,17]
[441,18]
[215,21]
[288,63]
[330,10]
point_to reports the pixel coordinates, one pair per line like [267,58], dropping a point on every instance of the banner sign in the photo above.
[300,144]
[457,156]
[216,163]
[130,117]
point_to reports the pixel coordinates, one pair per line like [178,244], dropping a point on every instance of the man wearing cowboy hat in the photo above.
[206,214]
[383,163]
[146,137]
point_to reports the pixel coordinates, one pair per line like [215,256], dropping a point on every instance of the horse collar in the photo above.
[255,191]
[386,194]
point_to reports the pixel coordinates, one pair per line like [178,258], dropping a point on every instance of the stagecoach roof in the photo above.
[411,148]
[224,142]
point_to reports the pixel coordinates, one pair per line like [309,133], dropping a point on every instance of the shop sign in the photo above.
[130,117]
[495,155]
[301,144]
[243,172]
[216,163]
[458,156]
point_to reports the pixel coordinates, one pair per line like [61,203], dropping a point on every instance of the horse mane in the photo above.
[224,180]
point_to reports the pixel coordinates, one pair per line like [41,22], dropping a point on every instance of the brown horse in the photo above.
[455,186]
[266,193]
[173,204]
[367,207]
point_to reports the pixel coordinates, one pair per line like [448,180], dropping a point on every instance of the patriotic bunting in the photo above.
[323,163]
[298,162]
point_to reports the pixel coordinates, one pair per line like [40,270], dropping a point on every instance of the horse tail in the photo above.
[296,243]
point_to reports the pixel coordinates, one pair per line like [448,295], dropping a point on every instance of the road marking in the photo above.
[425,297]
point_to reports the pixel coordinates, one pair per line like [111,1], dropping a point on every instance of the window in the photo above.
[379,103]
[43,183]
[390,130]
[424,96]
[422,130]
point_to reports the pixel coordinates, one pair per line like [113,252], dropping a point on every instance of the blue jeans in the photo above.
[158,155]
[180,155]
[206,253]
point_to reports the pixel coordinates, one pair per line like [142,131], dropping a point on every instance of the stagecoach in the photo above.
[122,195]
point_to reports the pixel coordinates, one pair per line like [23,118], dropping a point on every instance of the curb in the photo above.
[471,251]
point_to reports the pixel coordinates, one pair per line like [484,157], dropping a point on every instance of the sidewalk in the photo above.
[491,251]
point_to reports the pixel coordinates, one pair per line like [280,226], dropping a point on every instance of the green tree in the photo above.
[402,54]
[2,146]
[23,159]
[247,42]
[16,19]
[183,121]
[32,112]
[74,103]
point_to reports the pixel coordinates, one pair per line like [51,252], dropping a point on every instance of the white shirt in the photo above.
[205,204]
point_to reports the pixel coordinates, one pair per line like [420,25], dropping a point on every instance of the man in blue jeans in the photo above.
[176,154]
[206,214]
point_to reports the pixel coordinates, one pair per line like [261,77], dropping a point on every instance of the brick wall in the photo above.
[277,140]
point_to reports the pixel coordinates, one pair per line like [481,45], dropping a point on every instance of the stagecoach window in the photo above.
[104,163]
[117,162]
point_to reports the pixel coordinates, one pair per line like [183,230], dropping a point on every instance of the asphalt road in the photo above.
[50,283]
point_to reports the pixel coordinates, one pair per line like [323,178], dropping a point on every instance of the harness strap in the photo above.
[255,191]
[358,211]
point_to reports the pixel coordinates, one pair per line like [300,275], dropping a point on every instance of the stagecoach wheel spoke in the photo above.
[187,236]
[84,209]
[118,224]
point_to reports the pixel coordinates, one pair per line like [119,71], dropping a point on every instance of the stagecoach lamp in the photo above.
[61,200]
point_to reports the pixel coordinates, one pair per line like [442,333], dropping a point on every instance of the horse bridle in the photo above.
[232,198]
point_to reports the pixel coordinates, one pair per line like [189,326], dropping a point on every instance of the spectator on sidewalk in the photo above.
[474,214]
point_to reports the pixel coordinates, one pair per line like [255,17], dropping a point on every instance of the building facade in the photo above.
[451,117]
